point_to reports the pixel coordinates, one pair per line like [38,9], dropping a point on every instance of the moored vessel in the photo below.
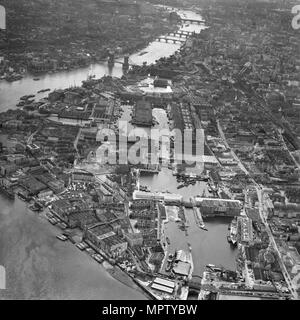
[233,231]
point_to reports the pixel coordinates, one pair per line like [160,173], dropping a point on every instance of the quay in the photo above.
[197,214]
[210,206]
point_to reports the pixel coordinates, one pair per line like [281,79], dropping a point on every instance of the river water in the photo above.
[10,93]
[39,266]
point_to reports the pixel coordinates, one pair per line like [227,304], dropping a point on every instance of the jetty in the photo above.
[197,214]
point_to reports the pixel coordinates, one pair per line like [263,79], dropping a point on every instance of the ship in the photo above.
[233,231]
[213,267]
[168,267]
[21,104]
[44,90]
[26,97]
[142,53]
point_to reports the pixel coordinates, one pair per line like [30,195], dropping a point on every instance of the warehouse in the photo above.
[164,282]
[219,207]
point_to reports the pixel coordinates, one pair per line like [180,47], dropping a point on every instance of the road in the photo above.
[263,216]
[262,107]
[288,150]
[236,158]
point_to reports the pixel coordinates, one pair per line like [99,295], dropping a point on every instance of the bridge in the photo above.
[169,39]
[180,33]
[126,63]
[192,21]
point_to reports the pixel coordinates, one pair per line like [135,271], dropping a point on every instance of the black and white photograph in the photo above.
[149,153]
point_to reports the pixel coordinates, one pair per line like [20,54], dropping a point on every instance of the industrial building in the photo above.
[218,207]
[142,113]
[163,285]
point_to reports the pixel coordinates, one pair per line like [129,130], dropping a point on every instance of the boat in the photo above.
[72,240]
[53,221]
[21,104]
[182,227]
[90,251]
[36,79]
[80,246]
[62,237]
[26,97]
[168,267]
[168,241]
[233,231]
[43,90]
[213,267]
[34,207]
[142,53]
[97,257]
[170,260]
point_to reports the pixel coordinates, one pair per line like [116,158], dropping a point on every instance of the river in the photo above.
[39,266]
[10,92]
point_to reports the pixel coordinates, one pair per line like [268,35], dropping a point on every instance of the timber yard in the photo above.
[147,221]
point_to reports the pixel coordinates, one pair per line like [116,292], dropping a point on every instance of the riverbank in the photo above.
[39,266]
[168,48]
[106,30]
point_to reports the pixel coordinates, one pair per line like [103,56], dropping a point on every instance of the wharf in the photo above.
[197,214]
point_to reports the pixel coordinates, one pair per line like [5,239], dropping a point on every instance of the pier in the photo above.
[197,214]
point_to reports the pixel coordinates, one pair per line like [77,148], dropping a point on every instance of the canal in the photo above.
[208,247]
[38,266]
